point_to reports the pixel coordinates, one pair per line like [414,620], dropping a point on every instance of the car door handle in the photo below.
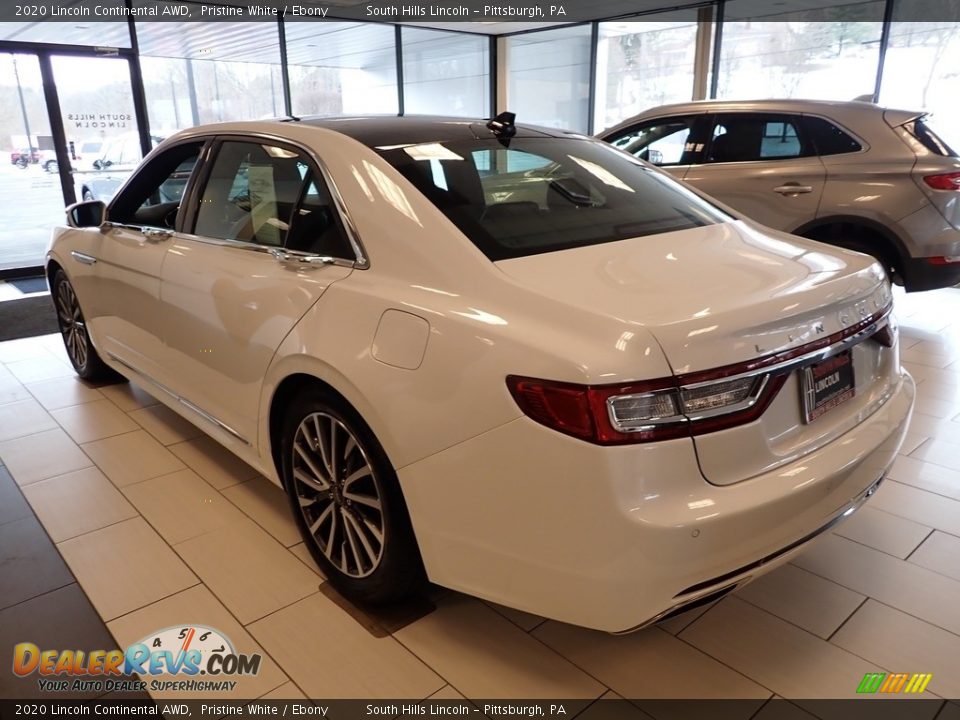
[155,235]
[789,189]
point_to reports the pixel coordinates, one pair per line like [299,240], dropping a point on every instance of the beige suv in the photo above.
[851,174]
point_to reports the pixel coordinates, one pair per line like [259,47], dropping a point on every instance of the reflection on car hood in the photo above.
[715,295]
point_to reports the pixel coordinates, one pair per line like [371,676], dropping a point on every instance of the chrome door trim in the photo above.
[183,401]
[81,257]
[299,258]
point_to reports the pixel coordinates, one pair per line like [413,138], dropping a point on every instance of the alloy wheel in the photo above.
[72,325]
[339,494]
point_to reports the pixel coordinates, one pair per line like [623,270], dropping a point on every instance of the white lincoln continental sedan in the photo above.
[512,361]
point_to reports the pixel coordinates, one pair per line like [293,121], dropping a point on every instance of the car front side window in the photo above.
[665,141]
[152,198]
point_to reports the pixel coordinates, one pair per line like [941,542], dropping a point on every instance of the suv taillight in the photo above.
[943,181]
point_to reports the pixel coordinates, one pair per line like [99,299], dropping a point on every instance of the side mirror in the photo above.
[98,164]
[87,214]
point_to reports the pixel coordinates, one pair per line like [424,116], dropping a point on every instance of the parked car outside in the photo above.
[852,174]
[90,149]
[101,175]
[515,361]
[31,155]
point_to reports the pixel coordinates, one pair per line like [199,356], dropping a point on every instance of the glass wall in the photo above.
[827,53]
[209,72]
[643,64]
[342,68]
[32,197]
[549,77]
[445,73]
[920,70]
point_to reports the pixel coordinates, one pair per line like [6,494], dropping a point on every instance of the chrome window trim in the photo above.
[361,261]
[267,250]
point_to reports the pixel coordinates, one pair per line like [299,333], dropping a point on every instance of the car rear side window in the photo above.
[270,195]
[828,138]
[748,137]
[536,195]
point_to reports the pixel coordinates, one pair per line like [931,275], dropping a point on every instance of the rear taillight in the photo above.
[943,259]
[684,406]
[644,412]
[943,181]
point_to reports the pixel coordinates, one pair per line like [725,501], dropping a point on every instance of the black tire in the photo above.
[87,195]
[345,544]
[51,166]
[863,241]
[73,330]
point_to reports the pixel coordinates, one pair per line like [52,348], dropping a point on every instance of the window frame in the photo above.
[319,170]
[807,147]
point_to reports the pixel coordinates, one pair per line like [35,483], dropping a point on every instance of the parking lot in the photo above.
[36,204]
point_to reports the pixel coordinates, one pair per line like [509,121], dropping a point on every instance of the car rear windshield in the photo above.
[921,130]
[525,196]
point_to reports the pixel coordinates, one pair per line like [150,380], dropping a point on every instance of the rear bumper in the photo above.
[614,538]
[922,274]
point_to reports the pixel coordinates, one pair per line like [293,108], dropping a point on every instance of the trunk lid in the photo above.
[727,294]
[716,295]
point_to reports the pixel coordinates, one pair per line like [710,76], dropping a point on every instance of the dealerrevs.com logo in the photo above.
[199,658]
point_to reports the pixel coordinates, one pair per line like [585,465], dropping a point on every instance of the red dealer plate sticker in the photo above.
[827,385]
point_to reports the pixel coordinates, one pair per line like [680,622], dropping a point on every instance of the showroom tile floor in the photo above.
[160,527]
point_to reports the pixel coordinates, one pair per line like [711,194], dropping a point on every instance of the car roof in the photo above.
[382,131]
[848,112]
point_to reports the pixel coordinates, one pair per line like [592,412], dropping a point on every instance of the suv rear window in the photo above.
[921,130]
[828,138]
[536,195]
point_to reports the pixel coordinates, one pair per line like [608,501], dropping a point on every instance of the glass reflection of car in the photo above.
[516,362]
[101,177]
[853,174]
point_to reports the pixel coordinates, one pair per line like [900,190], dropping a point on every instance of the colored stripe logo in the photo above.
[894,683]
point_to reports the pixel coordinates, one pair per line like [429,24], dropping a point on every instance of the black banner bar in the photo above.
[421,11]
[869,708]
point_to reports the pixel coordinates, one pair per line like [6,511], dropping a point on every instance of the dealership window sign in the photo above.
[100,120]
